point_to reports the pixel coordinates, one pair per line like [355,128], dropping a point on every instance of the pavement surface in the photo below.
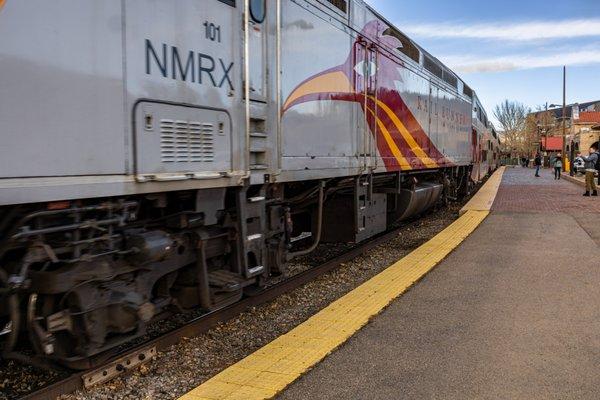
[513,313]
[521,191]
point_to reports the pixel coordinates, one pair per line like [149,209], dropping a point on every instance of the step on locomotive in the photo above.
[162,157]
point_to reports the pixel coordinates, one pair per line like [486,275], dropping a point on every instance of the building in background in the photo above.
[582,128]
[585,130]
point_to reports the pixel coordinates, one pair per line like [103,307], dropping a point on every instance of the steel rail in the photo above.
[206,321]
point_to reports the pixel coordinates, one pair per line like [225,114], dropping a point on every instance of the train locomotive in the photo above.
[160,157]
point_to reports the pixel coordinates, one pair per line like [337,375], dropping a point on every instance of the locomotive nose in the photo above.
[323,86]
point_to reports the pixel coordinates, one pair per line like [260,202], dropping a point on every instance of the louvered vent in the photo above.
[186,141]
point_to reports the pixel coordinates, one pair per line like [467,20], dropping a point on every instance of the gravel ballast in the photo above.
[193,361]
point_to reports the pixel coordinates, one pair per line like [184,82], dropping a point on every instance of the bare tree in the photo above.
[512,116]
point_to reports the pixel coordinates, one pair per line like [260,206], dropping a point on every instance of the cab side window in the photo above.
[258,10]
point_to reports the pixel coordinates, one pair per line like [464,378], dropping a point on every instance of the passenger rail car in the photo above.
[485,143]
[164,156]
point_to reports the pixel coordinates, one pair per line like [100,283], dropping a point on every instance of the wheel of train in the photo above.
[158,160]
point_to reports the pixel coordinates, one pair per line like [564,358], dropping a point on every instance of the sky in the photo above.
[509,49]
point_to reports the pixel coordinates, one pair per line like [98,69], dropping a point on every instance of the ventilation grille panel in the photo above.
[186,141]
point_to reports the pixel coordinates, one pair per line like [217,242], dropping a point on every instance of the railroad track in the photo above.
[132,357]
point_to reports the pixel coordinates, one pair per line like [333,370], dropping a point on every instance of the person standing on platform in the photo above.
[590,171]
[538,163]
[598,167]
[557,166]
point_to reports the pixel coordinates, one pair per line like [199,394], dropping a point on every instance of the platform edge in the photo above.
[266,372]
[484,198]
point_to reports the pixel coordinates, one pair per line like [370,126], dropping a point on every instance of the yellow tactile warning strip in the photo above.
[264,373]
[484,198]
[269,370]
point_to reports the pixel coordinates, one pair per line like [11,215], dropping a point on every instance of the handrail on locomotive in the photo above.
[177,162]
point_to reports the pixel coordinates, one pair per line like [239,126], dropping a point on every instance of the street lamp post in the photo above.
[564,134]
[564,121]
[563,118]
[539,139]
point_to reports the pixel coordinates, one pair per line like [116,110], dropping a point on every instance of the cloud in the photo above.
[472,63]
[524,31]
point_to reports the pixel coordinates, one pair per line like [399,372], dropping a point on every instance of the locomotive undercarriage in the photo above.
[80,278]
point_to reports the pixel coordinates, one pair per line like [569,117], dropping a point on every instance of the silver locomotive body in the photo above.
[162,156]
[98,97]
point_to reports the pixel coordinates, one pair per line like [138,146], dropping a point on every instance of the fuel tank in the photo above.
[412,202]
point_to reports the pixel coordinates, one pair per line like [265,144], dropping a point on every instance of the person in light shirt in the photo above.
[590,171]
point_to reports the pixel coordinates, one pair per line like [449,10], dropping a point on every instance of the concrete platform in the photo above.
[512,313]
[578,179]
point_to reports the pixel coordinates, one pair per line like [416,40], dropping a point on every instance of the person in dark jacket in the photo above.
[538,163]
[557,166]
[590,171]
